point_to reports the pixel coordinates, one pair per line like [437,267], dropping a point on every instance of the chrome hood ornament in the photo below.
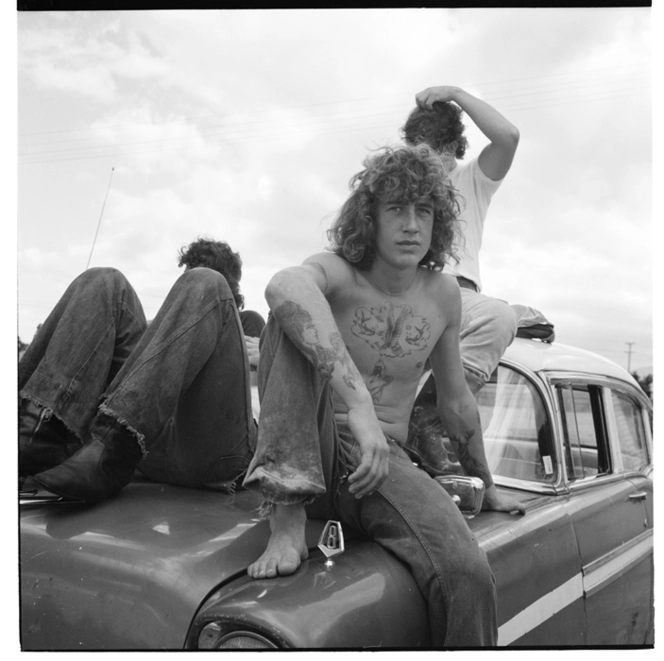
[331,541]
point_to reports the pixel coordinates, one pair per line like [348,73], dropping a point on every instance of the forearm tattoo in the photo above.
[470,463]
[298,324]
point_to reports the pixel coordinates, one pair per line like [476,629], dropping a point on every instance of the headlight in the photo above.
[214,637]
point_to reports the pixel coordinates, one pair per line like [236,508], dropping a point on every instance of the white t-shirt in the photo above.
[476,191]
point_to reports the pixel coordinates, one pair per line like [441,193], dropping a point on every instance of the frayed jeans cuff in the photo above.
[277,491]
[49,413]
[140,438]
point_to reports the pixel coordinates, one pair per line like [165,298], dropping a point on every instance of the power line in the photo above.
[252,111]
[275,123]
[240,137]
[530,98]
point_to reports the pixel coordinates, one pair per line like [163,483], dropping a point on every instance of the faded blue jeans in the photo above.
[179,387]
[302,455]
[488,326]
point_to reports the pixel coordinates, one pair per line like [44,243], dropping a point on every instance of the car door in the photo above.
[608,511]
[630,424]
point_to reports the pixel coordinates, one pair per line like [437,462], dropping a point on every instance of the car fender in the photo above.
[366,598]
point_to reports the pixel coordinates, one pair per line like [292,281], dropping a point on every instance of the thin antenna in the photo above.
[100,216]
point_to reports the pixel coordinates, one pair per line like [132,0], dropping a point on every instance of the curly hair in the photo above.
[218,256]
[407,173]
[441,128]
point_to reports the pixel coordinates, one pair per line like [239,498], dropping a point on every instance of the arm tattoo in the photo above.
[343,358]
[469,463]
[298,324]
[327,359]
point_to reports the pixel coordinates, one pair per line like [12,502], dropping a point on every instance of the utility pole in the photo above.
[629,353]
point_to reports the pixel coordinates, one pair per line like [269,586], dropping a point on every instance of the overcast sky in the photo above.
[154,128]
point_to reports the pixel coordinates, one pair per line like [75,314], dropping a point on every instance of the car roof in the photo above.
[540,356]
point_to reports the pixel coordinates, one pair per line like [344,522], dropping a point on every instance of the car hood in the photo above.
[132,572]
[134,568]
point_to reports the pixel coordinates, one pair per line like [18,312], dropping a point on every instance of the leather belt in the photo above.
[465,283]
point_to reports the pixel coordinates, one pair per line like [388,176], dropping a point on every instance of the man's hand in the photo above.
[426,98]
[494,501]
[496,158]
[374,452]
[252,350]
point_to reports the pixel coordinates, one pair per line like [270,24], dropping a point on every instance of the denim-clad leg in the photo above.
[294,459]
[301,453]
[184,390]
[415,518]
[180,388]
[81,346]
[488,326]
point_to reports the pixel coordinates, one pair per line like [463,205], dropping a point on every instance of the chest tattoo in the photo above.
[394,332]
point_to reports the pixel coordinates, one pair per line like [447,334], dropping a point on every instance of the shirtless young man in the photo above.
[341,359]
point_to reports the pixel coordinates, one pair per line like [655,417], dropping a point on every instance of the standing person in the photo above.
[101,392]
[488,325]
[345,346]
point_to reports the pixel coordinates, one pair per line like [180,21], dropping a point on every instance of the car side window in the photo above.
[584,430]
[516,428]
[631,434]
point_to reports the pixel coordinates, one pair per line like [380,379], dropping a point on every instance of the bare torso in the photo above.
[389,338]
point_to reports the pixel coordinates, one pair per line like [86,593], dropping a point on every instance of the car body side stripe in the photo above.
[596,575]
[607,569]
[541,610]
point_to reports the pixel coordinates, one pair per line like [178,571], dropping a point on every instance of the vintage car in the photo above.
[163,567]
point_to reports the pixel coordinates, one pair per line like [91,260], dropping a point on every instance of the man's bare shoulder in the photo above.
[336,270]
[442,290]
[327,260]
[441,283]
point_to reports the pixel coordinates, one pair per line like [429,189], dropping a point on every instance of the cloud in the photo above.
[84,57]
[247,125]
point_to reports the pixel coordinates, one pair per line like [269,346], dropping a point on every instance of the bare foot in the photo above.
[286,547]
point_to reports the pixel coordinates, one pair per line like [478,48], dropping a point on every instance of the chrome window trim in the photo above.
[606,383]
[555,377]
[546,384]
[543,389]
[614,436]
[525,485]
[590,481]
[613,425]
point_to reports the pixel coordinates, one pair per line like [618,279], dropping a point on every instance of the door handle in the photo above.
[639,495]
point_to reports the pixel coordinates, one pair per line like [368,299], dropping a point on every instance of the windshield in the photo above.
[517,431]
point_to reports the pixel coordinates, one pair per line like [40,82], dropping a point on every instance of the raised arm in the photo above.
[458,410]
[496,158]
[296,297]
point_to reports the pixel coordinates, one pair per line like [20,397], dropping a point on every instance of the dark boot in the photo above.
[425,444]
[98,470]
[43,439]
